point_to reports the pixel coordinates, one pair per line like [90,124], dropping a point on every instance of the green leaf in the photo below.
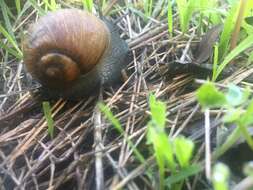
[235,96]
[88,5]
[232,115]
[229,24]
[170,17]
[49,119]
[161,143]
[208,96]
[183,174]
[220,177]
[186,9]
[158,111]
[52,5]
[11,50]
[183,149]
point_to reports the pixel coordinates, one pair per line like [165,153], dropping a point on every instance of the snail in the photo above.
[71,52]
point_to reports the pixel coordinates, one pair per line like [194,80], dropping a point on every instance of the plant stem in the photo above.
[239,20]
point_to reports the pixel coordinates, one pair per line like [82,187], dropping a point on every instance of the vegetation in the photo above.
[185,105]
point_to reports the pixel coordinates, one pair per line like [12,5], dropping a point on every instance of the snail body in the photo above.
[70,52]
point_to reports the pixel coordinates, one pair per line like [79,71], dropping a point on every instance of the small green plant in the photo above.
[166,149]
[239,111]
[88,5]
[220,177]
[232,25]
[156,136]
[172,155]
[49,118]
[208,96]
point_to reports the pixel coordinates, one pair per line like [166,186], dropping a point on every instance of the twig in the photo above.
[97,141]
[207,145]
[245,184]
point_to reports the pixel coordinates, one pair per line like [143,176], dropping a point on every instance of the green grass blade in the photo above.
[11,41]
[229,24]
[148,7]
[191,7]
[10,50]
[26,6]
[246,43]
[170,17]
[158,111]
[115,122]
[53,5]
[246,135]
[8,25]
[186,9]
[49,119]
[215,61]
[181,10]
[46,4]
[88,5]
[18,6]
[183,174]
[109,115]
[230,141]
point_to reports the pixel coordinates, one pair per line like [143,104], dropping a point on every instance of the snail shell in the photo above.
[71,51]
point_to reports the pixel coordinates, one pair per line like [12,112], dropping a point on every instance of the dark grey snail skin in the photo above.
[106,73]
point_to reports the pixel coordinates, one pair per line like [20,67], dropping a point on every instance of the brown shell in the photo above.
[63,45]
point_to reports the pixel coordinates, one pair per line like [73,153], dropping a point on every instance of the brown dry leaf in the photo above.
[205,47]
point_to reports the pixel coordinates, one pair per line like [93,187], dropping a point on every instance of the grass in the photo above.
[210,97]
[146,133]
[50,5]
[88,5]
[49,119]
[164,149]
